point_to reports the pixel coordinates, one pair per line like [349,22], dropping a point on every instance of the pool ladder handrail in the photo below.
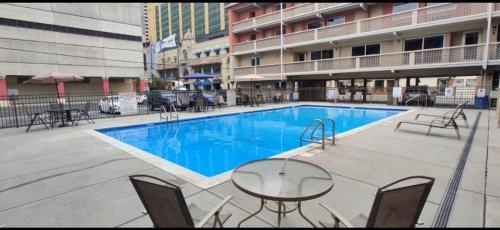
[318,123]
[164,110]
[333,127]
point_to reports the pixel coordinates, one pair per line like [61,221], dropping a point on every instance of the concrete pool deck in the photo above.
[68,178]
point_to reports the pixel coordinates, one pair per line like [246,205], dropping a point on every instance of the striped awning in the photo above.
[197,51]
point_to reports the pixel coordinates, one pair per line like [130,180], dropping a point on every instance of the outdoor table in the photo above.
[282,180]
[65,115]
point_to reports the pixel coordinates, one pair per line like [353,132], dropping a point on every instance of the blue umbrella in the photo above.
[197,76]
[207,82]
[197,83]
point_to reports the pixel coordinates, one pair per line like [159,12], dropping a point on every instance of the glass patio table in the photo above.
[282,180]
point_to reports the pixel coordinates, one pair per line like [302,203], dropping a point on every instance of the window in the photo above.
[255,61]
[197,55]
[327,54]
[278,31]
[216,51]
[424,43]
[358,51]
[400,7]
[300,57]
[277,7]
[199,18]
[321,54]
[336,21]
[472,83]
[363,50]
[175,21]
[252,14]
[280,85]
[372,49]
[186,17]
[379,83]
[207,53]
[459,82]
[313,25]
[315,55]
[253,37]
[213,17]
[216,68]
[207,69]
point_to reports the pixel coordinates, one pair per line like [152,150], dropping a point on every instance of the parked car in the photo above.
[141,98]
[158,98]
[109,104]
[419,95]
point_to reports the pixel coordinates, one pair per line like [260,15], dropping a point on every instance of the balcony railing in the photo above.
[461,55]
[205,60]
[419,16]
[274,17]
[166,66]
[494,51]
[267,42]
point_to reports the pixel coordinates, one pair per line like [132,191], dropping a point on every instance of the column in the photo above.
[408,82]
[60,89]
[417,80]
[105,86]
[3,87]
[134,86]
[142,85]
[365,89]
[352,89]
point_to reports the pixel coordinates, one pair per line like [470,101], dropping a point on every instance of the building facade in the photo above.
[367,44]
[207,53]
[98,41]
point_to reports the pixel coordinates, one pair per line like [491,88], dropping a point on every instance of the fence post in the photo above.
[15,110]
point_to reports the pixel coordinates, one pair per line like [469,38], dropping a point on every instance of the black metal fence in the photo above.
[17,111]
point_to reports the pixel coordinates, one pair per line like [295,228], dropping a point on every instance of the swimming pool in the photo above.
[213,145]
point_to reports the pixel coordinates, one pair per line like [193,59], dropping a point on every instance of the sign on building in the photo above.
[127,103]
[448,91]
[481,92]
[396,92]
[231,98]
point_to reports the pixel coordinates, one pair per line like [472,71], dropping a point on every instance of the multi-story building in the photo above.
[208,53]
[378,44]
[98,41]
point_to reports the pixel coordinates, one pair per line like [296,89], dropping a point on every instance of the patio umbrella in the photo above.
[53,78]
[250,77]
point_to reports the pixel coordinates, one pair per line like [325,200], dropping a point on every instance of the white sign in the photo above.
[231,98]
[295,96]
[396,92]
[448,91]
[127,102]
[168,42]
[481,92]
[332,93]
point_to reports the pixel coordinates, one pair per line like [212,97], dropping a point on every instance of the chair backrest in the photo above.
[163,201]
[87,107]
[456,113]
[399,207]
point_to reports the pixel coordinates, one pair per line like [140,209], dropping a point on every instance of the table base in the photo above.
[279,211]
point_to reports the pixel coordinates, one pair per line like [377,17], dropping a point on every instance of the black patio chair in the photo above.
[84,113]
[439,122]
[40,116]
[165,204]
[394,207]
[459,115]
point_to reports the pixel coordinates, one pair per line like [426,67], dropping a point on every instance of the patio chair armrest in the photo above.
[215,211]
[336,216]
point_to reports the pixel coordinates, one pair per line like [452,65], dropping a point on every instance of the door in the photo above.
[471,38]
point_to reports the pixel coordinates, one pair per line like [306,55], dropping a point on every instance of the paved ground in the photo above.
[67,178]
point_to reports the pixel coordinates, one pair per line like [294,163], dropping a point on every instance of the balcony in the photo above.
[457,56]
[423,17]
[205,61]
[293,13]
[258,45]
[166,66]
[494,53]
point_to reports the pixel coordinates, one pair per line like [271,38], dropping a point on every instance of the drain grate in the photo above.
[449,198]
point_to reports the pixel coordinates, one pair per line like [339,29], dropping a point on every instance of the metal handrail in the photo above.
[163,110]
[333,128]
[320,123]
[172,107]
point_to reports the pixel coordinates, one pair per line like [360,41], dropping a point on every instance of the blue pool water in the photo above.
[210,146]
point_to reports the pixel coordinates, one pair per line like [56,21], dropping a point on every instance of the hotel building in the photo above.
[366,44]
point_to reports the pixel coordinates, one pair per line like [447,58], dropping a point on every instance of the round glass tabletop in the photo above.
[282,179]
